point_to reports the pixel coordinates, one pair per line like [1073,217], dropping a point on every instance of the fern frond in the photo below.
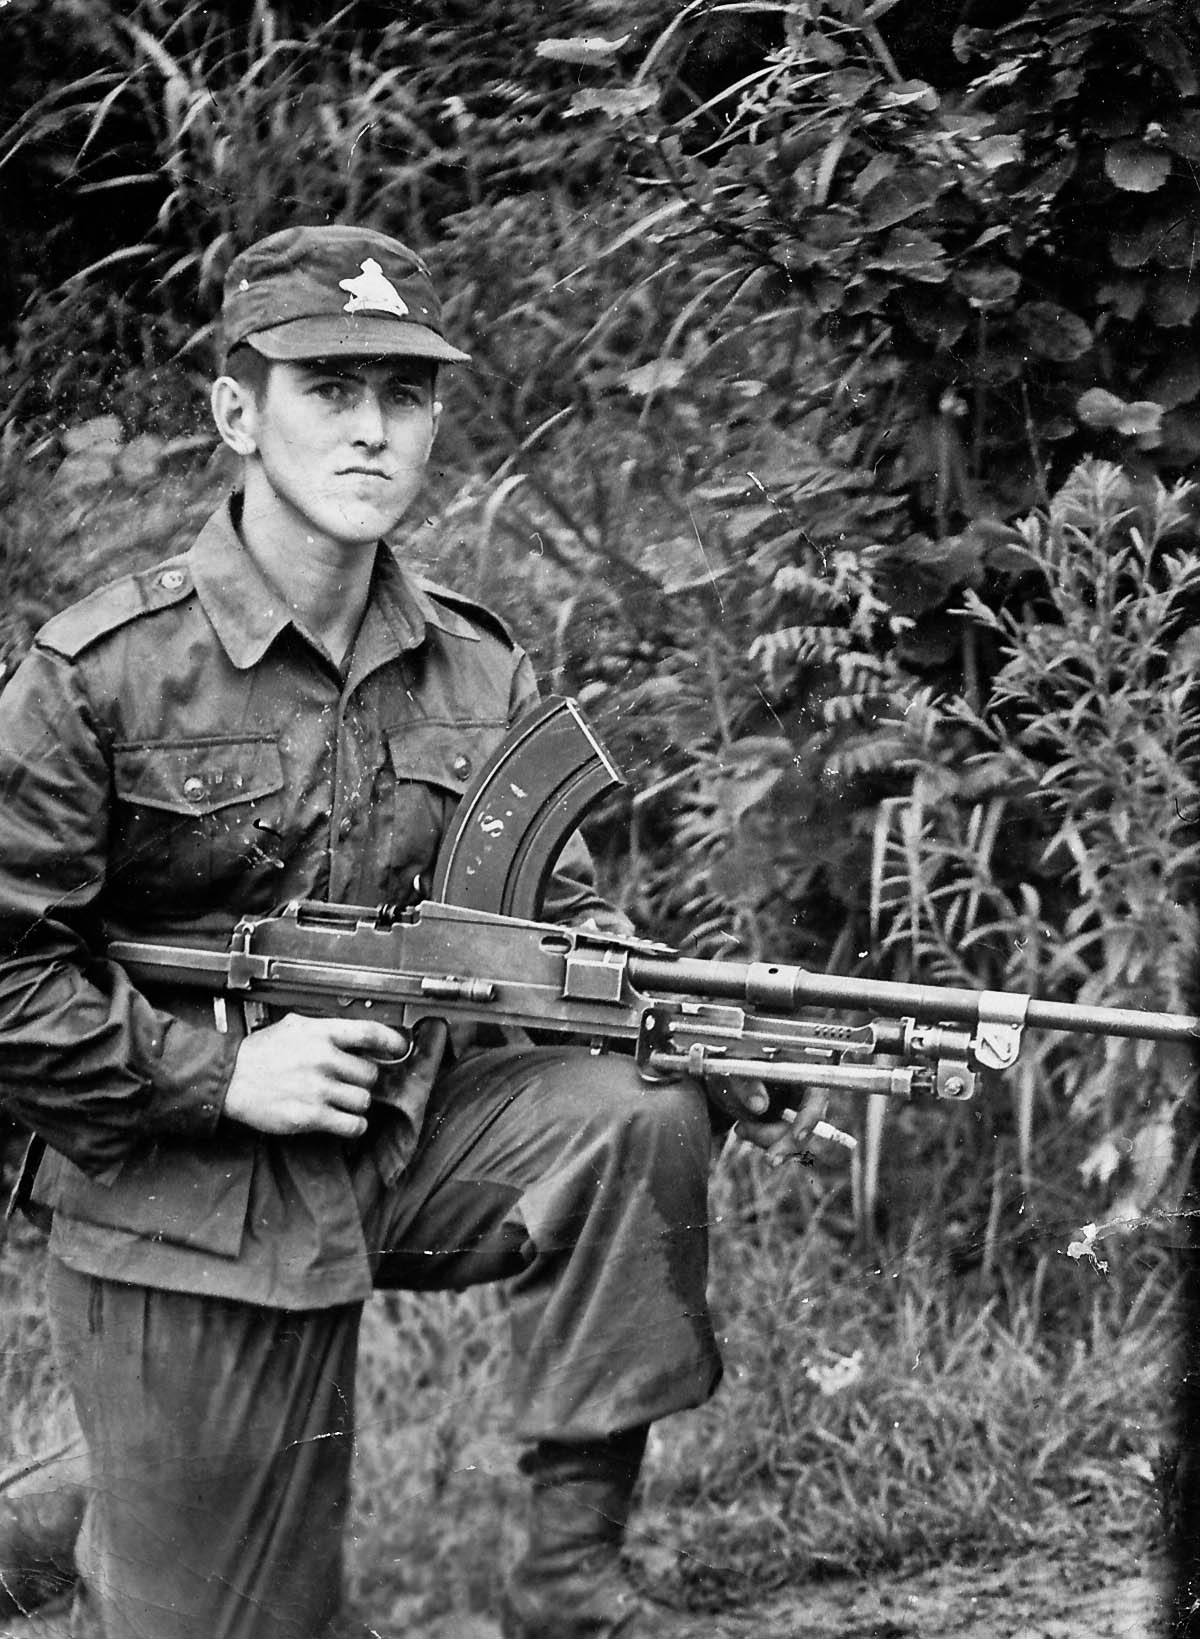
[868,756]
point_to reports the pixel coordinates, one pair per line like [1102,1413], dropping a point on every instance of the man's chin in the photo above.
[366,527]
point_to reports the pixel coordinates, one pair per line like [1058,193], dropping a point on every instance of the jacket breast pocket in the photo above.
[430,765]
[195,817]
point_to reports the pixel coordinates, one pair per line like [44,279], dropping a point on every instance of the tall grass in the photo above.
[886,1412]
[874,1416]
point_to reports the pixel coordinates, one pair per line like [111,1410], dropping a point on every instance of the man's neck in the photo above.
[324,583]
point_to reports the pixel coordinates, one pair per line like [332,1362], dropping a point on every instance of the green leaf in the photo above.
[1178,382]
[746,521]
[744,788]
[1175,57]
[1053,332]
[657,376]
[989,286]
[887,204]
[1135,248]
[875,171]
[989,236]
[939,317]
[993,152]
[1099,408]
[586,49]
[929,644]
[102,432]
[1124,296]
[1141,419]
[1179,246]
[1181,437]
[619,104]
[918,574]
[1174,299]
[907,250]
[1135,168]
[1171,241]
[918,93]
[1181,136]
[849,86]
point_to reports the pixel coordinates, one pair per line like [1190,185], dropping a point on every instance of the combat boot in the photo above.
[570,1583]
[41,1511]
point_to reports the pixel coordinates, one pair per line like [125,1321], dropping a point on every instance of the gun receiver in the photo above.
[466,954]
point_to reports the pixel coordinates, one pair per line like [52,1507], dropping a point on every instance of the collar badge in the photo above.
[373,292]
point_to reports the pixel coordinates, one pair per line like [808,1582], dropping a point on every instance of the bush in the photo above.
[1048,842]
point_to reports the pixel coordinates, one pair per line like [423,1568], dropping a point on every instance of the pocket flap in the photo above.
[443,754]
[197,776]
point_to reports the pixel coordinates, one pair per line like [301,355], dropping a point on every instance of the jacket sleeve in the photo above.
[85,1061]
[571,897]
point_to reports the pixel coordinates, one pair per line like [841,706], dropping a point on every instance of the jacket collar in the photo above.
[248,615]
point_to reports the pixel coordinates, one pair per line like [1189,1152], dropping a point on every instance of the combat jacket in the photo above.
[175,753]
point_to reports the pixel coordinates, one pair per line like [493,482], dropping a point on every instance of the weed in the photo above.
[872,1416]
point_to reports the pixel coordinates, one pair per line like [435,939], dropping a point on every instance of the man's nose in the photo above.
[370,421]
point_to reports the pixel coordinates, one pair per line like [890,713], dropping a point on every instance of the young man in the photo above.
[284,713]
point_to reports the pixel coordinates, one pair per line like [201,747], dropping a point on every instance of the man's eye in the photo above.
[333,390]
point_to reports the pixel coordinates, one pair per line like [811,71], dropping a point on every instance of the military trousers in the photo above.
[221,1434]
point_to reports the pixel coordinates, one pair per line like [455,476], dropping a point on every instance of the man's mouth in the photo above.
[366,472]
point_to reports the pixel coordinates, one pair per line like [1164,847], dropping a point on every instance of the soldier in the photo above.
[284,712]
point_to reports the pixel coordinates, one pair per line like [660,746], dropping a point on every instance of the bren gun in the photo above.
[474,950]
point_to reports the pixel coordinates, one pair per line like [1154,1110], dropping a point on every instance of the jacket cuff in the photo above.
[189,1069]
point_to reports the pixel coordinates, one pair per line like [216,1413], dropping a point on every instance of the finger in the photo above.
[340,1123]
[810,1112]
[344,1096]
[369,1038]
[787,1147]
[349,1068]
[763,1134]
[737,1098]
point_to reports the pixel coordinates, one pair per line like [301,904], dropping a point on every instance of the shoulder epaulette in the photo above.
[478,612]
[110,607]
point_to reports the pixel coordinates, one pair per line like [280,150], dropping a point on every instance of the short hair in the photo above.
[248,366]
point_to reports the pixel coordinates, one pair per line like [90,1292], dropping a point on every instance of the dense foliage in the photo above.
[777,336]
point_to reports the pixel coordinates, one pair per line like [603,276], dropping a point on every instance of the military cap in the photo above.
[317,292]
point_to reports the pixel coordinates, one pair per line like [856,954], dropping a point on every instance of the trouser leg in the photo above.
[220,1434]
[220,1439]
[585,1187]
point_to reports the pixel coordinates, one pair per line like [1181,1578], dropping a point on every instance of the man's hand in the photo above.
[305,1075]
[747,1102]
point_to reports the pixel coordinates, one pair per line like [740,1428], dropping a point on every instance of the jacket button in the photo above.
[193,788]
[171,579]
[461,766]
[345,828]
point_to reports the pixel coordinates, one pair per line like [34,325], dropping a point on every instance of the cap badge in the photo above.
[373,292]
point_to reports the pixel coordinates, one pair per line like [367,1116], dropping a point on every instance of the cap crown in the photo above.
[310,292]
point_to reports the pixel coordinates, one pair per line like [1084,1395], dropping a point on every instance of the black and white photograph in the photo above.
[599,819]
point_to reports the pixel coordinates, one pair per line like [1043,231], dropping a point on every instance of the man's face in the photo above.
[340,447]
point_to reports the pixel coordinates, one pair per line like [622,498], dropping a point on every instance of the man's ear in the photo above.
[235,411]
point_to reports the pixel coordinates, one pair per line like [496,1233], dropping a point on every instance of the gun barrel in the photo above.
[1114,1021]
[775,985]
